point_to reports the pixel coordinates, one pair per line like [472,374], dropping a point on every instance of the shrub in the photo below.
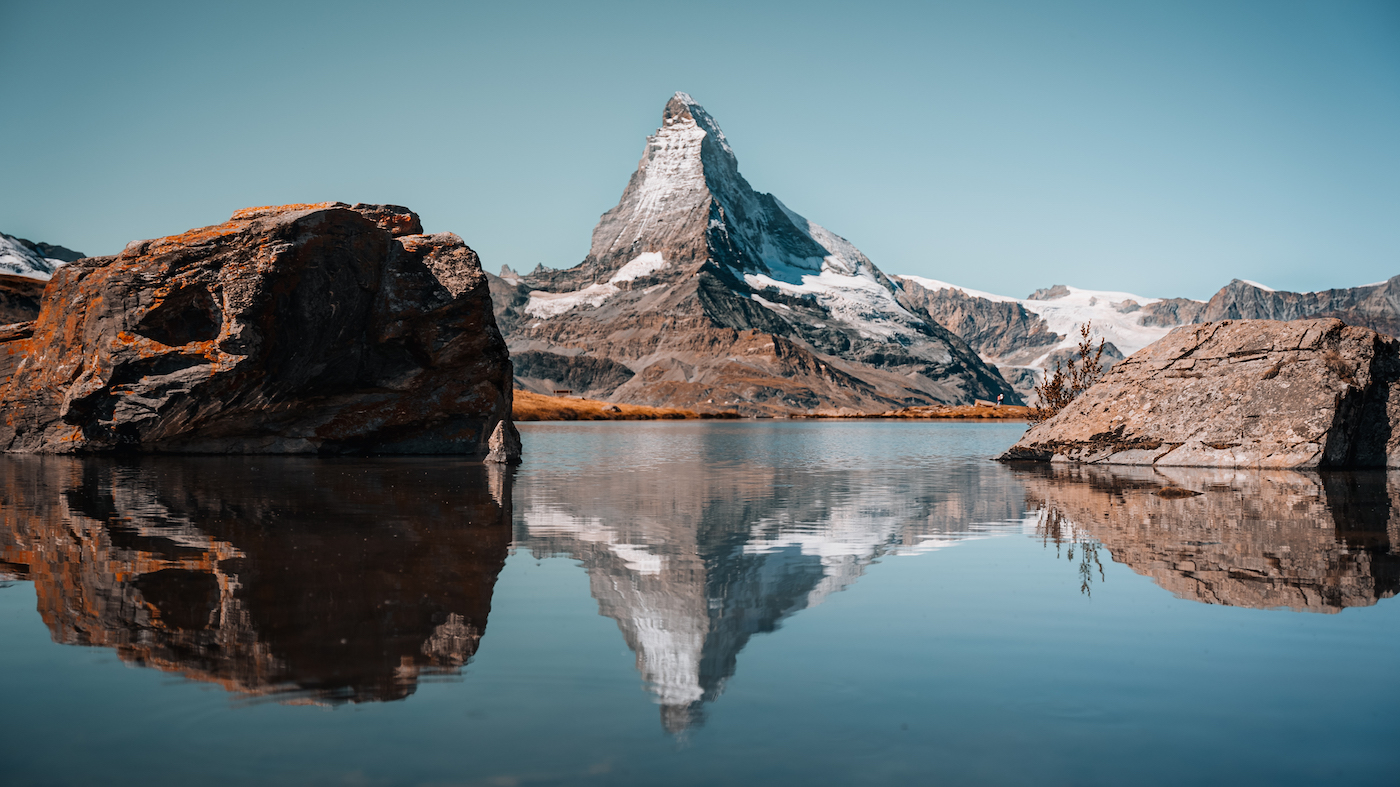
[1061,388]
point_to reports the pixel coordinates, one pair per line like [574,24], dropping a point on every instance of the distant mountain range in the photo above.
[700,292]
[1026,337]
[20,257]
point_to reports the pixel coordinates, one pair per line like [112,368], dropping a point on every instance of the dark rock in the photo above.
[291,329]
[19,298]
[1248,393]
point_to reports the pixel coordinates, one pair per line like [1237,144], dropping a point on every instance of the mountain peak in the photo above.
[683,112]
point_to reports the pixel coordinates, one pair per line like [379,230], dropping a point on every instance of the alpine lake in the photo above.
[697,603]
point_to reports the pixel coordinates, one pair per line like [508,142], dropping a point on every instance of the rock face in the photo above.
[20,257]
[1315,542]
[699,292]
[1374,306]
[1248,393]
[295,329]
[19,298]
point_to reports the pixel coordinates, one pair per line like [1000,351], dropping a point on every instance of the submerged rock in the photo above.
[1238,393]
[295,329]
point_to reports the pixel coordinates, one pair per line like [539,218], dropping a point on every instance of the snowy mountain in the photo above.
[700,292]
[1026,337]
[21,257]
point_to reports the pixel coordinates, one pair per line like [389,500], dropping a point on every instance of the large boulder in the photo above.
[295,329]
[1238,393]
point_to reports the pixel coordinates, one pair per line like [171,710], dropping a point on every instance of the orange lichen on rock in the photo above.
[310,329]
[268,210]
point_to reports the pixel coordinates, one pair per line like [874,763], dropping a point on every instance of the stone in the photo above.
[321,328]
[504,443]
[1237,393]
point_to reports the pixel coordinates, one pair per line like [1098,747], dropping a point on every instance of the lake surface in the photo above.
[696,603]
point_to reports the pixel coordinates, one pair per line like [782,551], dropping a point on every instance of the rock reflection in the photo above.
[301,579]
[1263,539]
[692,559]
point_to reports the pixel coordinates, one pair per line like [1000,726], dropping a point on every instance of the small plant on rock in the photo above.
[1061,388]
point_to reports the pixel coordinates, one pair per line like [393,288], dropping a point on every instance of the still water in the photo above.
[696,603]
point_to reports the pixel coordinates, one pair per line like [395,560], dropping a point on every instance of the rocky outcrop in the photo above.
[20,257]
[1262,539]
[283,577]
[295,329]
[1249,393]
[699,292]
[1374,306]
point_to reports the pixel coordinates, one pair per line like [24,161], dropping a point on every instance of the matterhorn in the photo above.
[700,292]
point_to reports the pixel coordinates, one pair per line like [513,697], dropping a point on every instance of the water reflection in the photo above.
[693,557]
[298,578]
[1262,539]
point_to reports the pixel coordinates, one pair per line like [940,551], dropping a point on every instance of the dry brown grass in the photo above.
[531,406]
[1005,412]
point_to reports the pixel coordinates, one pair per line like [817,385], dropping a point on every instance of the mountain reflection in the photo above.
[693,558]
[303,579]
[1253,538]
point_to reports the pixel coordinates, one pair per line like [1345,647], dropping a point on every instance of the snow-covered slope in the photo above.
[20,257]
[716,296]
[1026,337]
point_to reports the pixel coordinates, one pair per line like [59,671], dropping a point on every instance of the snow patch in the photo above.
[551,304]
[1259,286]
[1125,330]
[934,285]
[643,264]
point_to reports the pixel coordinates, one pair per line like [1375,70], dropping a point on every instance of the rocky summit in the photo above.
[1238,393]
[324,328]
[700,292]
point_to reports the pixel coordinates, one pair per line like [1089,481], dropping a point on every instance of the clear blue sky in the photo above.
[1155,147]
